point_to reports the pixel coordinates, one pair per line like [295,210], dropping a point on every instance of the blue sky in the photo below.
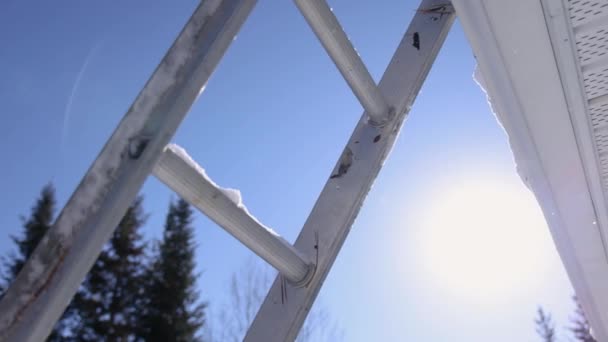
[272,122]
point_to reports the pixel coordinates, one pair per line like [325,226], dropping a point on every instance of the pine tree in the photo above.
[172,309]
[34,228]
[581,328]
[39,222]
[107,305]
[544,326]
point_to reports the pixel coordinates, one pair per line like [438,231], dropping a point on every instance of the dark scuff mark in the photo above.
[137,146]
[438,11]
[346,160]
[377,138]
[283,290]
[416,42]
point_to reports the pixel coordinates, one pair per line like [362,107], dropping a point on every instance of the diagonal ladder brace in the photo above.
[139,147]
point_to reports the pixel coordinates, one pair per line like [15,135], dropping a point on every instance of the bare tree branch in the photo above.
[248,288]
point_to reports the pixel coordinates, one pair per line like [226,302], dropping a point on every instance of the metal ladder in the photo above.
[139,147]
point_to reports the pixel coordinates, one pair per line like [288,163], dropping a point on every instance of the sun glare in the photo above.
[484,240]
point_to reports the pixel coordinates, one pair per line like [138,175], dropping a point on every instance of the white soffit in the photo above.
[545,70]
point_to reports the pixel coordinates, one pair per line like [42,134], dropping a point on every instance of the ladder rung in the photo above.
[184,176]
[327,28]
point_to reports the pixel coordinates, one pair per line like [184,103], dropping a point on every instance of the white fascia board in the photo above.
[553,155]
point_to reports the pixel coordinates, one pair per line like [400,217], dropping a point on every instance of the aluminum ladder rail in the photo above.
[286,306]
[138,147]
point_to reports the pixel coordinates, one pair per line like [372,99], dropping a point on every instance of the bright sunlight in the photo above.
[485,240]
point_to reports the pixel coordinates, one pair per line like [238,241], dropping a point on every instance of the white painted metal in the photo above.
[583,12]
[51,276]
[180,173]
[327,28]
[528,57]
[285,308]
[577,30]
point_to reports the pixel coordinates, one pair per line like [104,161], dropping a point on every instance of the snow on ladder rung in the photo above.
[328,30]
[225,207]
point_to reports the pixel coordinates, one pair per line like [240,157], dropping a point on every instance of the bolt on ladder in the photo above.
[140,146]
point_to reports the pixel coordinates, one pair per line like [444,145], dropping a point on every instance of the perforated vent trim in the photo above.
[589,19]
[584,11]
